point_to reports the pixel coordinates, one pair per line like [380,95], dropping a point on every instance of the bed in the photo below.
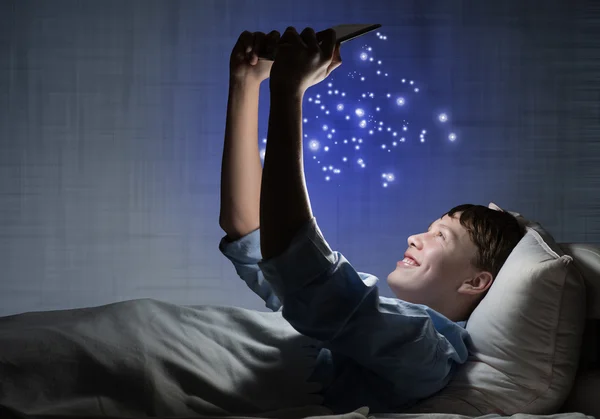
[556,373]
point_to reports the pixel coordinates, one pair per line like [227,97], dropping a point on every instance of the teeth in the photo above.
[409,261]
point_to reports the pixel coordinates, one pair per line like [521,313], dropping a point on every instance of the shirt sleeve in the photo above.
[245,254]
[325,298]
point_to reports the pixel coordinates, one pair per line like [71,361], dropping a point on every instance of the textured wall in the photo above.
[111,128]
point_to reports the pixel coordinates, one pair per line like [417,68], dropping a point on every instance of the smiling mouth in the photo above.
[408,262]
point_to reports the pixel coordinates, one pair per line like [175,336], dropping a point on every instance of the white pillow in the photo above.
[525,336]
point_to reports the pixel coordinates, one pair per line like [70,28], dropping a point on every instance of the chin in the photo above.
[395,282]
[404,289]
[397,277]
[390,280]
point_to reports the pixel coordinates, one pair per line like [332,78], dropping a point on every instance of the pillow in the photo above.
[525,336]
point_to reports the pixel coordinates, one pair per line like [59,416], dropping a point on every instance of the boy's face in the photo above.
[444,256]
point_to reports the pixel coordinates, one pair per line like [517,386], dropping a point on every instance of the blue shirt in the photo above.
[380,352]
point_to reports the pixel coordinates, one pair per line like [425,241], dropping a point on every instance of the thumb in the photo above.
[328,43]
[253,58]
[337,56]
[332,67]
[336,61]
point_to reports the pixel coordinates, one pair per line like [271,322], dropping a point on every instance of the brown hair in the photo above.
[494,233]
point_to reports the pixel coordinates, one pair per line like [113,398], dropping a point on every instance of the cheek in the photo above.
[452,269]
[436,261]
[438,268]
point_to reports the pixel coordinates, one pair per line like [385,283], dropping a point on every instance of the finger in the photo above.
[309,37]
[272,38]
[291,36]
[258,41]
[328,41]
[270,42]
[244,42]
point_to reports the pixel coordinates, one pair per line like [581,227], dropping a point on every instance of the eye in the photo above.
[440,234]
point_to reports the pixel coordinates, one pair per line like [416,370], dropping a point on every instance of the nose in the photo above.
[414,241]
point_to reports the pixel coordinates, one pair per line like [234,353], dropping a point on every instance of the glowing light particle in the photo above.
[366,115]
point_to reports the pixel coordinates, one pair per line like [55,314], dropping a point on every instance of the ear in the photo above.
[480,283]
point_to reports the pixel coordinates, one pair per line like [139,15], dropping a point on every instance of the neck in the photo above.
[457,310]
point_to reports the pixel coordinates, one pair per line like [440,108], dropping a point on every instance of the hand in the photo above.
[302,62]
[244,65]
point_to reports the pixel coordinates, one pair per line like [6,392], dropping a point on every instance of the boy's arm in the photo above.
[284,203]
[241,169]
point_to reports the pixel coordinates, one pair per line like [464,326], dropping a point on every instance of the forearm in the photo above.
[284,201]
[241,169]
